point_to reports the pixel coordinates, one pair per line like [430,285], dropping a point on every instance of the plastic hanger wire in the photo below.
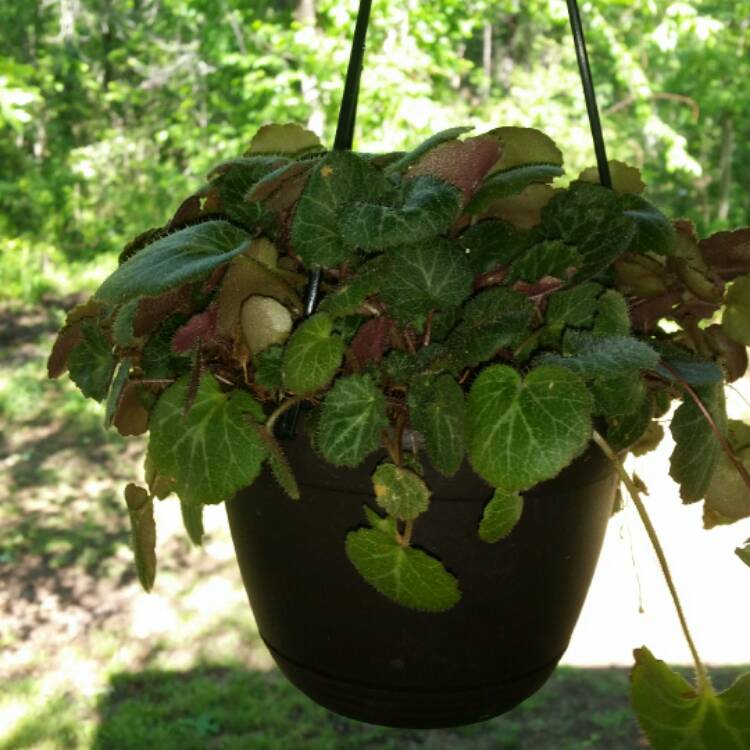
[287,424]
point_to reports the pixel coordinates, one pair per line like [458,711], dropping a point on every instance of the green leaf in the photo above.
[267,367]
[697,449]
[522,432]
[428,208]
[603,356]
[571,307]
[591,218]
[426,276]
[736,318]
[492,243]
[91,363]
[624,430]
[689,367]
[384,524]
[618,395]
[405,575]
[399,366]
[612,316]
[400,492]
[192,520]
[351,421]
[438,410]
[492,320]
[434,140]
[122,327]
[187,255]
[348,297]
[115,392]
[511,182]
[158,360]
[676,716]
[143,533]
[279,463]
[234,185]
[653,231]
[339,179]
[312,355]
[550,258]
[522,146]
[500,516]
[212,451]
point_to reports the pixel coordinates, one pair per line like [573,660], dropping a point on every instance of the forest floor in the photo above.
[89,661]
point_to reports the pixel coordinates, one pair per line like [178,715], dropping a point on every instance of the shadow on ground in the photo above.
[229,708]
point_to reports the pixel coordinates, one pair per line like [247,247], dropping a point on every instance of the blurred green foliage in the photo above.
[110,110]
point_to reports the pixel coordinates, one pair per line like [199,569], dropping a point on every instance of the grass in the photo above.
[90,662]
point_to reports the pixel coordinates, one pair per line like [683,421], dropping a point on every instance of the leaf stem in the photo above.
[704,682]
[279,410]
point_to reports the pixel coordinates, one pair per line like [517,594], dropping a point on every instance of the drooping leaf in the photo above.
[727,496]
[438,410]
[592,219]
[91,364]
[123,332]
[186,255]
[116,390]
[736,319]
[677,716]
[351,421]
[625,179]
[653,231]
[428,208]
[131,417]
[339,179]
[500,516]
[511,182]
[192,520]
[264,322]
[400,491]
[407,576]
[697,449]
[212,451]
[612,316]
[67,340]
[492,243]
[279,463]
[288,138]
[522,432]
[312,355]
[492,320]
[428,275]
[143,533]
[551,258]
[690,368]
[432,142]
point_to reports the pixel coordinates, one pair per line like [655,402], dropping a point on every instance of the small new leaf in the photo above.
[407,576]
[400,492]
[312,355]
[500,516]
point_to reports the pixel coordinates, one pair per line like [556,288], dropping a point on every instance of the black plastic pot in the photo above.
[357,653]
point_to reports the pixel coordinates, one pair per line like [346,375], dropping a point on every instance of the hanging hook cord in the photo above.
[287,424]
[589,93]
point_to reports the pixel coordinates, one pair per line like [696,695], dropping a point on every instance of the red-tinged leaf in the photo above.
[463,164]
[281,188]
[201,327]
[131,417]
[371,340]
[645,315]
[213,281]
[153,310]
[189,211]
[491,278]
[728,253]
[730,353]
[66,341]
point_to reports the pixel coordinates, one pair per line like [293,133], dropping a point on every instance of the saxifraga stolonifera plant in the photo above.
[466,303]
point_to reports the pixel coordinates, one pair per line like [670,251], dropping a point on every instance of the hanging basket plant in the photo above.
[469,311]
